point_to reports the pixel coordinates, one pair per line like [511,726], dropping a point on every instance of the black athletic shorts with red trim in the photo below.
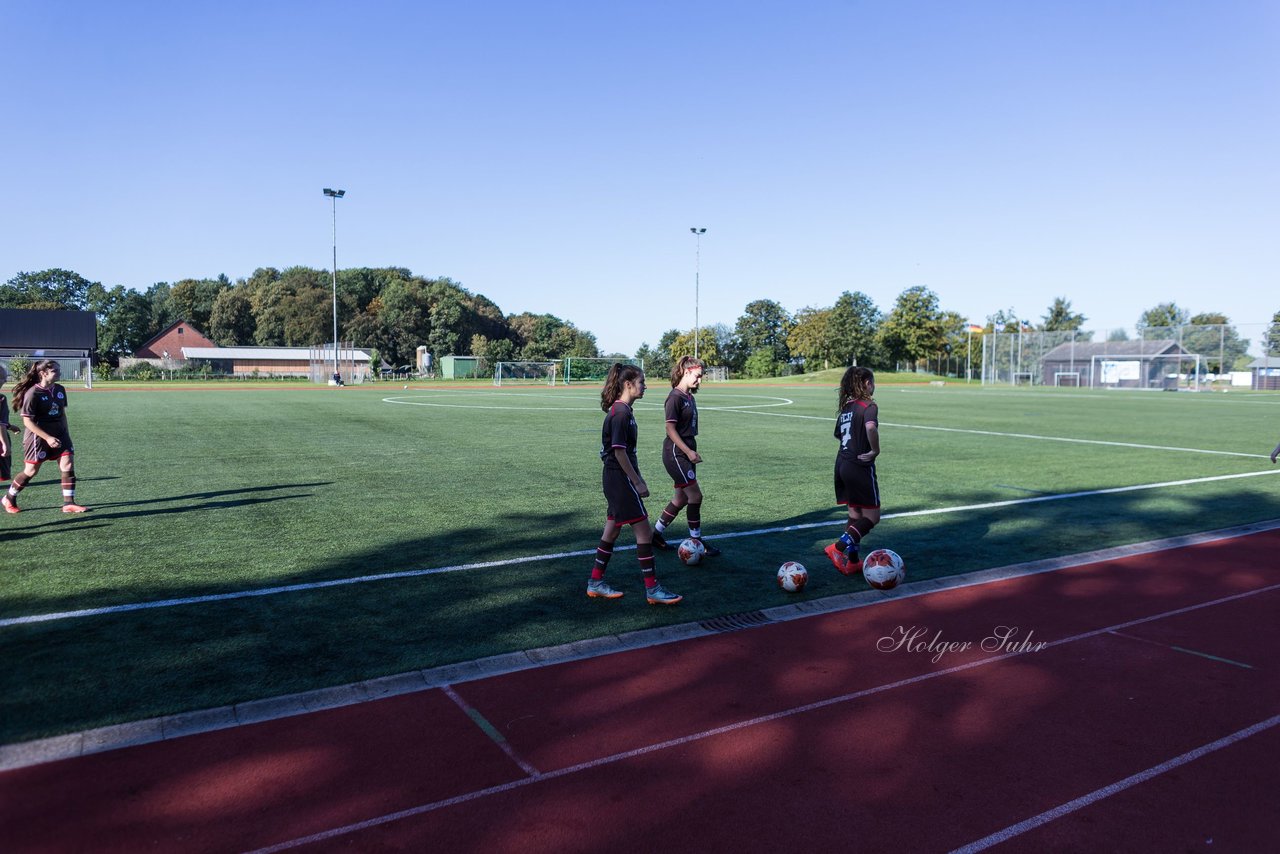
[625,504]
[681,471]
[37,450]
[856,484]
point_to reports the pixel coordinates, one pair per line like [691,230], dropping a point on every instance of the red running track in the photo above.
[1149,722]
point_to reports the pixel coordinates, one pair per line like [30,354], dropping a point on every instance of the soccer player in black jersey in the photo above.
[43,404]
[624,488]
[855,475]
[680,453]
[6,468]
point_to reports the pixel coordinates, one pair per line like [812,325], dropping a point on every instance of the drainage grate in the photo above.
[733,622]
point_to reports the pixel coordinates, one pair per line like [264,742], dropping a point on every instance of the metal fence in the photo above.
[1192,356]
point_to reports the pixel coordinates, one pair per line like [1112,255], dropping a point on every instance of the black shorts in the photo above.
[682,471]
[37,450]
[625,504]
[856,484]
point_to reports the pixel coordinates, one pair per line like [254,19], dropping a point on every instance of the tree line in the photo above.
[392,311]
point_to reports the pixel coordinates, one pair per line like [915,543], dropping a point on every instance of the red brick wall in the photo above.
[173,339]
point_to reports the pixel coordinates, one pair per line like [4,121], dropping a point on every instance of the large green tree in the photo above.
[52,288]
[1060,317]
[913,329]
[810,338]
[1158,320]
[124,320]
[1211,335]
[231,318]
[853,327]
[764,325]
[1273,336]
[192,300]
[682,345]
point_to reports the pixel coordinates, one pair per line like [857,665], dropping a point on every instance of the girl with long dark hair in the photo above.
[624,488]
[855,476]
[43,404]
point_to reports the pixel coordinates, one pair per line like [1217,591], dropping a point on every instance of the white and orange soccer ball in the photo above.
[792,577]
[691,552]
[883,569]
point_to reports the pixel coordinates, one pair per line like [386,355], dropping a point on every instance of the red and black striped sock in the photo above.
[69,487]
[669,514]
[644,551]
[604,551]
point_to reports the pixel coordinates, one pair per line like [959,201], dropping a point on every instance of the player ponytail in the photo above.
[684,364]
[30,378]
[619,376]
[855,385]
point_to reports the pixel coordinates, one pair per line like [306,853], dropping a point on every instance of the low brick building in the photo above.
[168,343]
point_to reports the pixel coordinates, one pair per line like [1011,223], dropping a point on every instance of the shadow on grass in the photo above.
[73,674]
[200,501]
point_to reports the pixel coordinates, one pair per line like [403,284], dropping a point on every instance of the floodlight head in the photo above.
[698,230]
[337,194]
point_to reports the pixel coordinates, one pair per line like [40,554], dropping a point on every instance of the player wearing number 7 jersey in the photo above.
[855,476]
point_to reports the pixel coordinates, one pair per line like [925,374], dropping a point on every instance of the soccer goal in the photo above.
[1070,379]
[1164,372]
[584,369]
[525,373]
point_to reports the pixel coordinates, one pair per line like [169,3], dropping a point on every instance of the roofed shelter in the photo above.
[300,362]
[68,337]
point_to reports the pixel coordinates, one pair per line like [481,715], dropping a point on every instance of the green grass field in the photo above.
[228,489]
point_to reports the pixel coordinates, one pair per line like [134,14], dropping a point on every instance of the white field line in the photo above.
[416,400]
[1025,436]
[787,713]
[415,573]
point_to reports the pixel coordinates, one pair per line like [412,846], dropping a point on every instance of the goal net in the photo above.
[1168,372]
[582,369]
[525,373]
[1066,378]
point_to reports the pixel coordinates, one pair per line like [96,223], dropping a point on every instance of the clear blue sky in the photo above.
[553,155]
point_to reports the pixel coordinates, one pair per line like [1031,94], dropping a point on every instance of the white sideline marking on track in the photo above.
[1119,786]
[1029,436]
[490,730]
[798,710]
[414,573]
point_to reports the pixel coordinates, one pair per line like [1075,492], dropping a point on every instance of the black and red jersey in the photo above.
[619,431]
[46,407]
[851,427]
[682,411]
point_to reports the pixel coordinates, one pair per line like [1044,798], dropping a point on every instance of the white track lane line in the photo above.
[1114,788]
[415,573]
[728,728]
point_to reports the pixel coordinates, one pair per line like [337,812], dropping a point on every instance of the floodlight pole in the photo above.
[335,195]
[697,275]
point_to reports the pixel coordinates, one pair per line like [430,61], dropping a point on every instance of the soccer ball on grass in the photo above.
[792,577]
[691,552]
[883,569]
